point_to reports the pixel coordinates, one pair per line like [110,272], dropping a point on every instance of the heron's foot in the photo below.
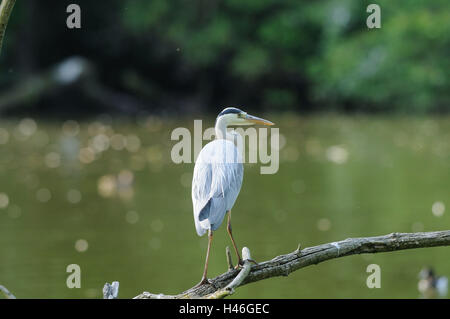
[240,264]
[252,261]
[204,281]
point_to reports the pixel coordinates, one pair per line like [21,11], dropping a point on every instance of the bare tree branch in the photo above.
[111,291]
[285,264]
[5,11]
[75,72]
[237,281]
[7,293]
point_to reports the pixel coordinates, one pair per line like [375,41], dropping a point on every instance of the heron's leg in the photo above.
[232,240]
[205,271]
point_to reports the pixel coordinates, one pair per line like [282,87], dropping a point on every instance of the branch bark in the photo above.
[75,72]
[7,293]
[5,11]
[283,265]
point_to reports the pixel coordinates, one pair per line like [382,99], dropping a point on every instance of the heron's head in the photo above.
[235,116]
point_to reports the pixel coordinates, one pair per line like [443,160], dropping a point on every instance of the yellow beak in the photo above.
[257,120]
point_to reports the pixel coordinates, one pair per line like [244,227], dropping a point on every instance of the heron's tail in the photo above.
[204,213]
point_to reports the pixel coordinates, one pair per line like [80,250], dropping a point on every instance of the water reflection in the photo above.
[104,194]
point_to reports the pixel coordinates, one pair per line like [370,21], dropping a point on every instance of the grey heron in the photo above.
[217,177]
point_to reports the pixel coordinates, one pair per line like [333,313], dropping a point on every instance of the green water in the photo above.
[76,195]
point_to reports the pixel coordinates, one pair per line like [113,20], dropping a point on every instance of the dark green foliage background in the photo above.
[264,54]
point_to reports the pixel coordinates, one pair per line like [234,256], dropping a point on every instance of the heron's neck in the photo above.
[222,133]
[221,128]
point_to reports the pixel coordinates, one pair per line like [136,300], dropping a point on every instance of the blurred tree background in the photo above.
[182,56]
[86,116]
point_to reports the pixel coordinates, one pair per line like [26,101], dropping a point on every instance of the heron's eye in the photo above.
[242,115]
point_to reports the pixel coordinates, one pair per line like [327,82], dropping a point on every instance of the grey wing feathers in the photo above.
[215,185]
